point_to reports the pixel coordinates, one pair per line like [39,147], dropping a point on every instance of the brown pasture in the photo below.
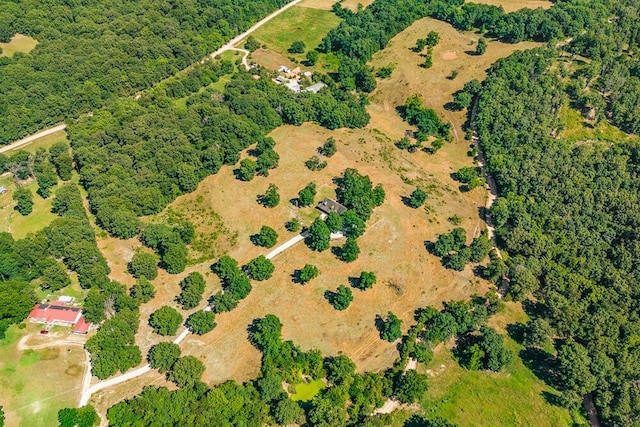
[513,5]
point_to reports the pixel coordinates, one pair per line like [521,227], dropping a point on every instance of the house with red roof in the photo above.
[59,313]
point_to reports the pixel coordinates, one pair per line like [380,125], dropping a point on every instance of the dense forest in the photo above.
[567,215]
[89,53]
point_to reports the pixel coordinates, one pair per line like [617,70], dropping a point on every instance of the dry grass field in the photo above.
[226,210]
[35,384]
[513,5]
[18,43]
[434,85]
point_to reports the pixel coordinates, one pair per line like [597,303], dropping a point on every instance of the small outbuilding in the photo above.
[316,87]
[3,189]
[329,205]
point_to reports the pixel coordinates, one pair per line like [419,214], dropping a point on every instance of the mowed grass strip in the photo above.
[307,391]
[18,43]
[297,24]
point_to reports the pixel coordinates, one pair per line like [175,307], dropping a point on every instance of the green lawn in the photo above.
[18,43]
[35,384]
[514,397]
[14,222]
[576,129]
[297,23]
[306,391]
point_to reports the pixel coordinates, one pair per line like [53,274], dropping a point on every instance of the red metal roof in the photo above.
[50,313]
[82,327]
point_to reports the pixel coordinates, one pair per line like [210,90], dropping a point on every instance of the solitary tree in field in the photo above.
[307,194]
[267,237]
[247,170]
[481,47]
[165,321]
[201,322]
[307,273]
[186,371]
[329,148]
[390,328]
[366,280]
[163,355]
[318,236]
[349,251]
[297,46]
[143,290]
[341,298]
[24,200]
[260,268]
[293,225]
[417,198]
[271,198]
[143,264]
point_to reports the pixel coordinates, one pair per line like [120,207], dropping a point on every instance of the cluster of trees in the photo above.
[235,283]
[461,319]
[470,176]
[425,119]
[348,401]
[80,417]
[113,348]
[567,216]
[266,158]
[432,39]
[455,254]
[83,61]
[192,288]
[44,258]
[170,242]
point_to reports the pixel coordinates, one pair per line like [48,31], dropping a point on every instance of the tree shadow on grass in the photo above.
[516,331]
[554,399]
[543,365]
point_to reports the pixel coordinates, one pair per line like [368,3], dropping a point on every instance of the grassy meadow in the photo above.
[18,43]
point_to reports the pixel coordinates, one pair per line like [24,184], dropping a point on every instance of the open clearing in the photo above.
[514,397]
[433,84]
[12,221]
[18,43]
[35,384]
[306,391]
[513,5]
[296,24]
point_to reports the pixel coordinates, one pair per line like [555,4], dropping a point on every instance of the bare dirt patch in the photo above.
[450,56]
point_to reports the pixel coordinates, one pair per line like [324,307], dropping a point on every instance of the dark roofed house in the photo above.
[328,205]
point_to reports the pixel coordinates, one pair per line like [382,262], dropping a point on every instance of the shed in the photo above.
[316,87]
[3,189]
[329,205]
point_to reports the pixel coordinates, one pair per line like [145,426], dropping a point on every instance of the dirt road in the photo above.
[29,139]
